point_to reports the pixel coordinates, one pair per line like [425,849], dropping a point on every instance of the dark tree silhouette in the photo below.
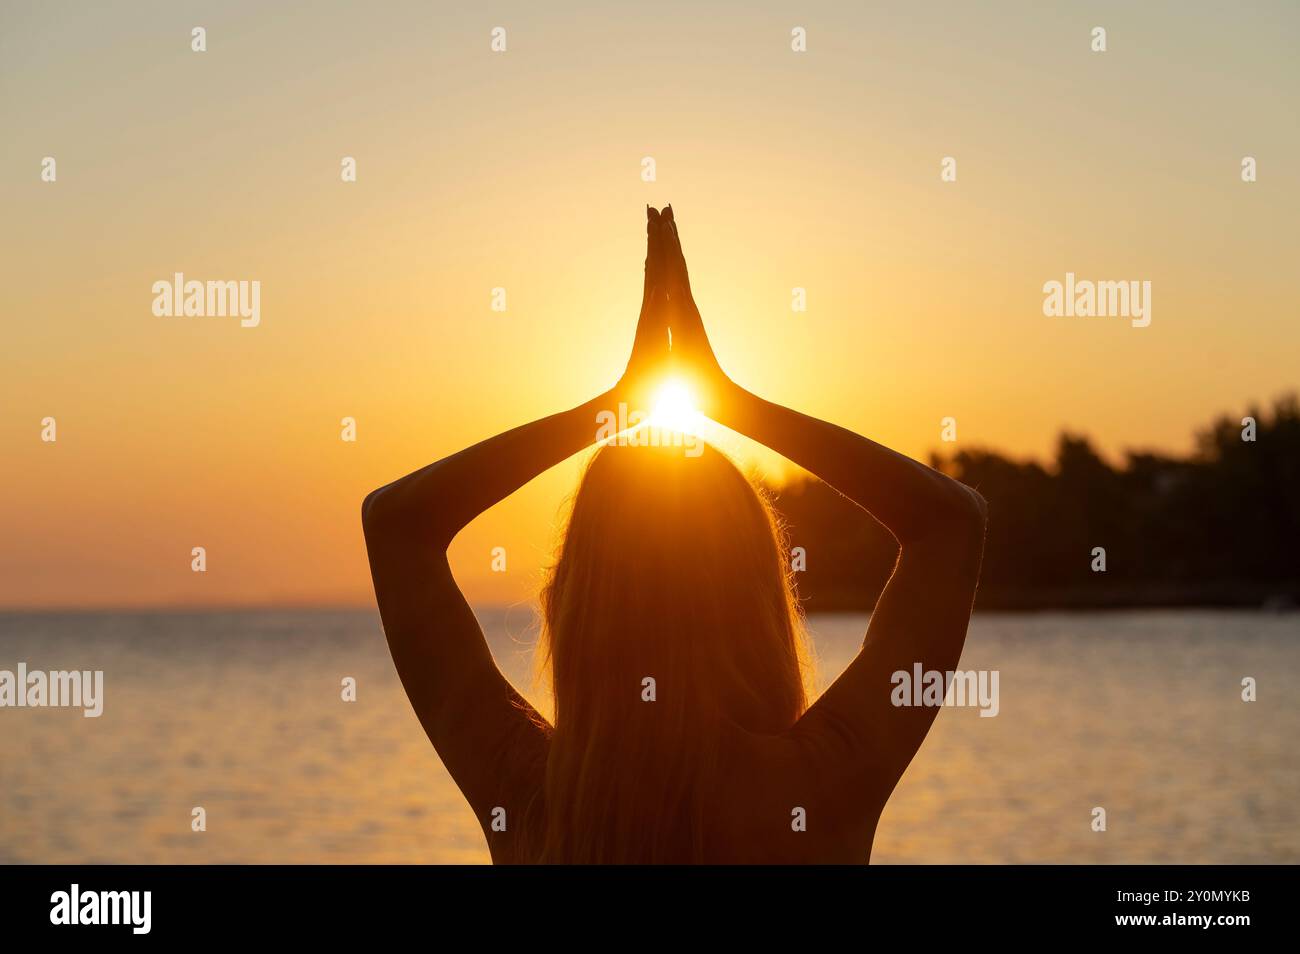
[1218,528]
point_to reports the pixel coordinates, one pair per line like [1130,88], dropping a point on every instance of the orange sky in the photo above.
[523,170]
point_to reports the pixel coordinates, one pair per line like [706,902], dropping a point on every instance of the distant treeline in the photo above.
[1218,528]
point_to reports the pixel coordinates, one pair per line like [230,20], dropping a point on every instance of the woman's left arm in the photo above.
[466,706]
[468,709]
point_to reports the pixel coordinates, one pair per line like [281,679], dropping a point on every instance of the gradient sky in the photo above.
[522,170]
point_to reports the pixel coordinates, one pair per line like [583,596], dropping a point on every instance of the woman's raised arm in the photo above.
[467,707]
[430,506]
[939,523]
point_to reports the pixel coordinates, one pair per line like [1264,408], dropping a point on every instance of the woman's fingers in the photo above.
[654,256]
[650,345]
[686,324]
[679,282]
[652,326]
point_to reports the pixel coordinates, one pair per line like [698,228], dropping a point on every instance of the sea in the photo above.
[243,714]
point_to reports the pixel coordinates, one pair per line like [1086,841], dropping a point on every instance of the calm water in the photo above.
[241,713]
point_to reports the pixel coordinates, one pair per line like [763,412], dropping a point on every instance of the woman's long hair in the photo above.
[668,623]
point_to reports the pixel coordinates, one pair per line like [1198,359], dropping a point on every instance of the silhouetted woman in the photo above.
[672,569]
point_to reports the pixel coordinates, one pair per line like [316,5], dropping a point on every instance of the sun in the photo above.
[674,408]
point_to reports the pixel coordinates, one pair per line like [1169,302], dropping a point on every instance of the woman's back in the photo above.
[769,801]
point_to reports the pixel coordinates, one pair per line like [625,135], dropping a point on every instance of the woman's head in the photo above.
[668,620]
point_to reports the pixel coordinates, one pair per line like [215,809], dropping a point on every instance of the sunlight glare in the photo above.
[674,408]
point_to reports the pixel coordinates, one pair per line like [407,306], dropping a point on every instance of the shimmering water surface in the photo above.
[1139,713]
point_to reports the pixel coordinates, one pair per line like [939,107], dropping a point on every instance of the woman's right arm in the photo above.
[914,502]
[922,615]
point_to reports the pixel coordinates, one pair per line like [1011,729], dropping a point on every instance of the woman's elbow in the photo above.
[372,509]
[979,508]
[390,517]
[972,520]
[962,521]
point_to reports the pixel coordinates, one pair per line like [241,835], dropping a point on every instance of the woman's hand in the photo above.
[650,355]
[692,355]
